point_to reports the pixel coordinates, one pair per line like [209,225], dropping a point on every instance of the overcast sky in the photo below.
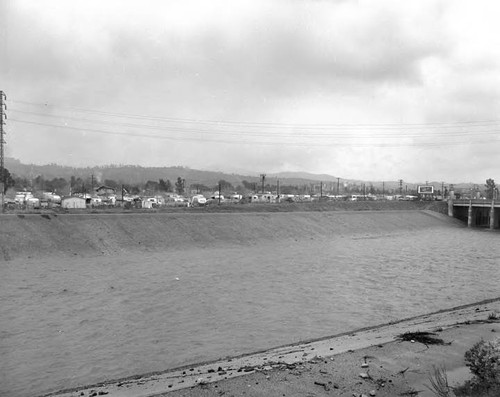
[373,90]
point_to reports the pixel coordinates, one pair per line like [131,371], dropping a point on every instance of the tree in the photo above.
[165,186]
[248,185]
[224,185]
[490,188]
[200,188]
[111,183]
[56,185]
[179,186]
[132,189]
[7,180]
[21,183]
[151,187]
[39,183]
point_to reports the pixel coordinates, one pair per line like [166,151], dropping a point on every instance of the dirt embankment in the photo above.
[43,235]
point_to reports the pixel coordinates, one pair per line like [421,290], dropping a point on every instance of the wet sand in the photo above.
[361,362]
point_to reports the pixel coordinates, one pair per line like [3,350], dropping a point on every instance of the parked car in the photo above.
[198,200]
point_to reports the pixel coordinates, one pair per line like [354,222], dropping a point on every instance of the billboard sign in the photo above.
[426,190]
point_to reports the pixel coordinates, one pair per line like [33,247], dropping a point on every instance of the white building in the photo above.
[73,202]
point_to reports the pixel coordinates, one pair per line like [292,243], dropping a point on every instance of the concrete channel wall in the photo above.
[45,235]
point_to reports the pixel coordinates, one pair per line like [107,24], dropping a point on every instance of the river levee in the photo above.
[92,298]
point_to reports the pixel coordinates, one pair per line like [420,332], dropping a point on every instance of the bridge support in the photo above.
[492,215]
[470,214]
[450,207]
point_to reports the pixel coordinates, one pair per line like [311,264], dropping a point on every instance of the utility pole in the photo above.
[2,142]
[263,176]
[338,186]
[278,190]
[401,186]
[220,186]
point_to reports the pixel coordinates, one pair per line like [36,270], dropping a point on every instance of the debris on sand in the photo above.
[426,338]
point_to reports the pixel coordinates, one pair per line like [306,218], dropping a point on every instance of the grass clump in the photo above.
[493,316]
[439,383]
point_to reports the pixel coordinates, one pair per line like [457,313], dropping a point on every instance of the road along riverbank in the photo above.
[365,361]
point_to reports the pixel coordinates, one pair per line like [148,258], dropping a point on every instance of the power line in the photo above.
[262,133]
[242,141]
[453,124]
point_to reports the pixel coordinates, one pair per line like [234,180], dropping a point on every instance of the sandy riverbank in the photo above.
[330,366]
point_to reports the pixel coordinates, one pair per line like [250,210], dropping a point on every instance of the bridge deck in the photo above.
[476,203]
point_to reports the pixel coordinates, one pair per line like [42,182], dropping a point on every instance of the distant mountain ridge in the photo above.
[138,174]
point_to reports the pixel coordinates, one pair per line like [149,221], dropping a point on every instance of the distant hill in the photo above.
[124,173]
[134,174]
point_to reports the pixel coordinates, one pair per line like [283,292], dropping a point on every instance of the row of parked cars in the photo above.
[50,199]
[27,199]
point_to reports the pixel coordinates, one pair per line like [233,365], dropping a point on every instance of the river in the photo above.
[71,322]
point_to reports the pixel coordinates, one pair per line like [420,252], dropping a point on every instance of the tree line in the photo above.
[79,185]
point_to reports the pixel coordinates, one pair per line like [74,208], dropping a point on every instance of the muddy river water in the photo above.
[71,322]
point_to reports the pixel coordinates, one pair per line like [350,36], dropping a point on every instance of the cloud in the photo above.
[285,62]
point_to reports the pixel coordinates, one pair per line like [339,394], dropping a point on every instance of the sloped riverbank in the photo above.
[84,234]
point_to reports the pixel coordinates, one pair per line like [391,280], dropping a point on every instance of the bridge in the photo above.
[477,213]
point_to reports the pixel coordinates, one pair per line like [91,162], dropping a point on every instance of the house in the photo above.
[105,191]
[73,202]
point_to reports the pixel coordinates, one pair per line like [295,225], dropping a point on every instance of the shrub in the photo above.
[483,359]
